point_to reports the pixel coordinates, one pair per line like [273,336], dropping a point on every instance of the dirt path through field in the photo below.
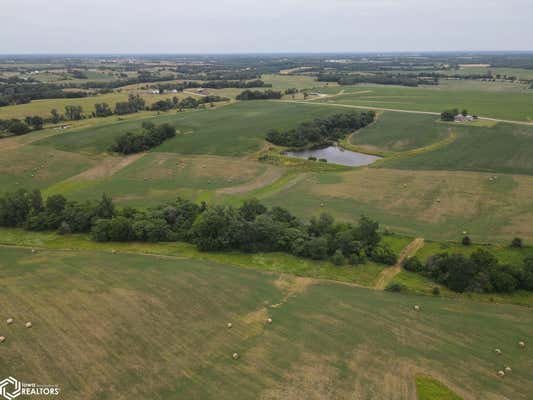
[389,273]
[107,168]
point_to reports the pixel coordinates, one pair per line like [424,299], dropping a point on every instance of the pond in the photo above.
[336,155]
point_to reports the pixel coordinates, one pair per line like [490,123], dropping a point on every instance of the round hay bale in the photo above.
[235,356]
[28,324]
[521,344]
[2,339]
[501,373]
[269,320]
[498,351]
[465,232]
[33,250]
[416,307]
[230,324]
[9,321]
[507,369]
[113,251]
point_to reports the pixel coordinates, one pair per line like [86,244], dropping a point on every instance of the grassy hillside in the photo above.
[231,130]
[122,325]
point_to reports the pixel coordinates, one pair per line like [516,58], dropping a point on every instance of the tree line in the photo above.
[259,95]
[151,136]
[26,91]
[480,272]
[218,84]
[381,79]
[252,227]
[321,131]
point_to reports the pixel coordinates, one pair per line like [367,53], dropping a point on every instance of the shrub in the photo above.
[338,258]
[395,287]
[436,291]
[466,241]
[413,264]
[517,242]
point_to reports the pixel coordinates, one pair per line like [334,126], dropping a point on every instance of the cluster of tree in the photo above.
[188,102]
[259,95]
[21,93]
[381,79]
[481,272]
[321,131]
[151,136]
[251,227]
[134,104]
[17,127]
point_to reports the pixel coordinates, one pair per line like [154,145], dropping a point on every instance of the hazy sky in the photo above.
[221,26]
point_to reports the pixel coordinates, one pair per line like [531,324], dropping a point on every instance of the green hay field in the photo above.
[436,205]
[502,148]
[396,132]
[121,325]
[233,130]
[510,104]
[158,177]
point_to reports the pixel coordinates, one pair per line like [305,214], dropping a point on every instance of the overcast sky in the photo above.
[242,26]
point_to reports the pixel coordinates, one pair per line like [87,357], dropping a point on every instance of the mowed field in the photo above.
[437,205]
[153,178]
[512,105]
[122,325]
[232,130]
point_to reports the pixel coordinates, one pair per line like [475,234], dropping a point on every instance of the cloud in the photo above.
[154,26]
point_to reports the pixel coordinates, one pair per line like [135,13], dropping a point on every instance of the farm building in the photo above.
[464,118]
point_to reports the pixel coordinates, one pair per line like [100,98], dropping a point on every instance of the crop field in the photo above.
[502,148]
[510,105]
[438,205]
[158,177]
[396,132]
[232,130]
[115,321]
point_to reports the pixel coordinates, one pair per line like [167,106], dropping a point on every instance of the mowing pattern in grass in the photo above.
[232,130]
[432,204]
[394,132]
[157,177]
[430,389]
[154,327]
[511,105]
